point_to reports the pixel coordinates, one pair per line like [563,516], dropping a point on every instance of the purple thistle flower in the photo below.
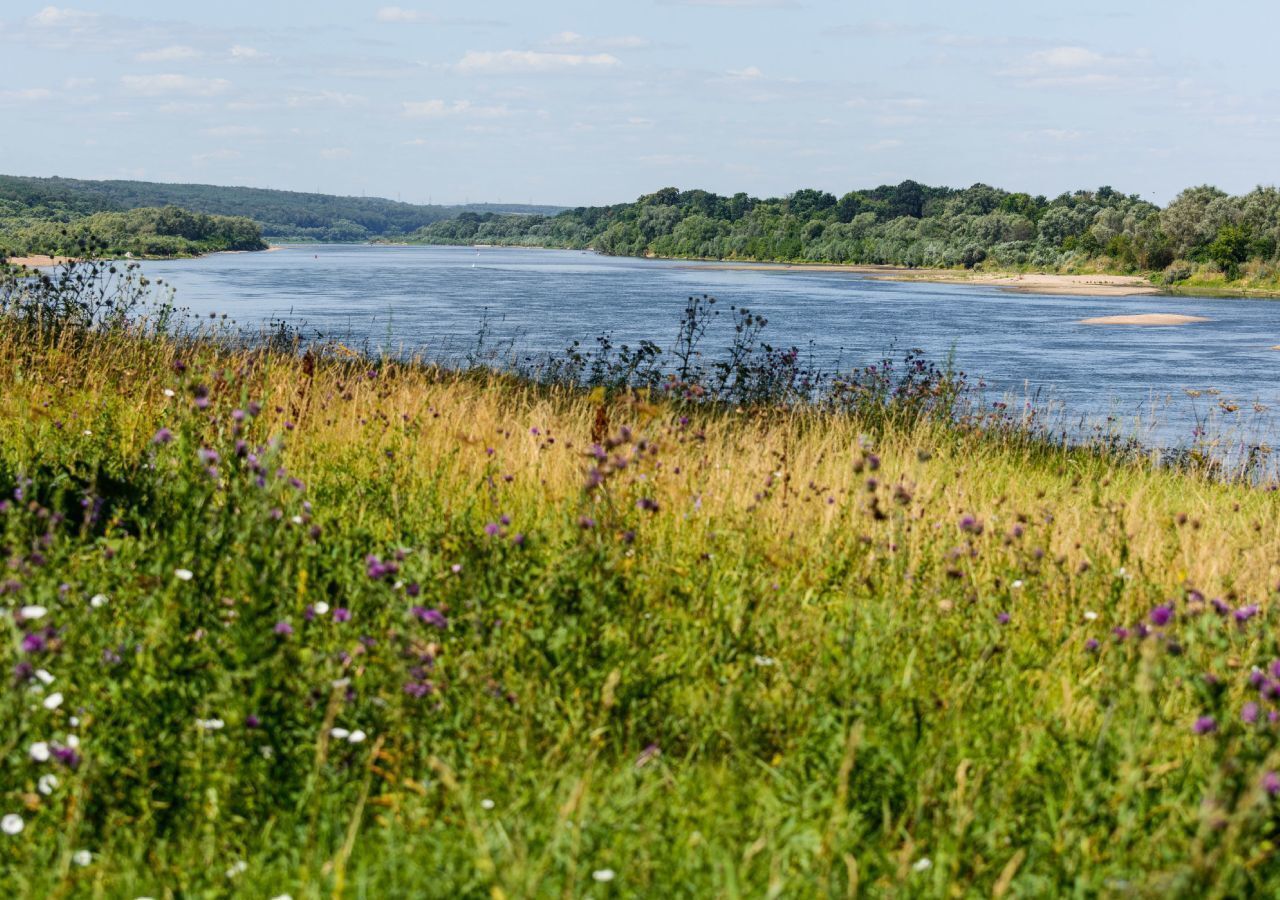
[1256,678]
[341,614]
[66,756]
[283,628]
[252,721]
[418,689]
[1003,618]
[431,616]
[1205,725]
[237,415]
[413,589]
[1091,645]
[23,671]
[492,529]
[518,539]
[1219,607]
[309,613]
[254,408]
[1245,613]
[163,436]
[970,525]
[1162,615]
[207,456]
[1121,634]
[586,522]
[1249,713]
[1271,783]
[33,643]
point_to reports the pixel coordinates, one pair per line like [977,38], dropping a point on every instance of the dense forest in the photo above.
[1203,231]
[283,215]
[167,231]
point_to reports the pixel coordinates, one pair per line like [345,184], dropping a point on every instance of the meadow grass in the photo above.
[331,627]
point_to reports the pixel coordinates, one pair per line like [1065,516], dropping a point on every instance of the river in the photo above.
[1158,383]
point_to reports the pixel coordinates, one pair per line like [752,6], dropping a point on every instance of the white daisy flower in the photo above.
[47,784]
[356,736]
[340,733]
[168,392]
[1090,615]
[39,751]
[184,574]
[486,803]
[210,724]
[603,875]
[12,824]
[73,741]
[321,608]
[53,701]
[82,858]
[44,676]
[236,868]
[922,864]
[33,612]
[97,601]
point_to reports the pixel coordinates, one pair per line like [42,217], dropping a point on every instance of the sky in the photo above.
[569,103]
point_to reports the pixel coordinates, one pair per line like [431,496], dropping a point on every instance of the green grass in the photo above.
[791,679]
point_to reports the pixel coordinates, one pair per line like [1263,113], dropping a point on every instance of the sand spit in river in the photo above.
[1144,319]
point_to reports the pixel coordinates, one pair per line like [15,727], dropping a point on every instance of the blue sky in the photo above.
[594,102]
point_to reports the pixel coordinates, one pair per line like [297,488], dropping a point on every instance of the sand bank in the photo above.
[1144,319]
[1031,282]
[38,262]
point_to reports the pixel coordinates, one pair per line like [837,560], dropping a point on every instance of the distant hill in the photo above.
[283,215]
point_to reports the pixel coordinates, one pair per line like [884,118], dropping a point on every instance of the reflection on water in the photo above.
[1162,383]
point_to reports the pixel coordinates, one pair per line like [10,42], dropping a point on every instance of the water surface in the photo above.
[1021,346]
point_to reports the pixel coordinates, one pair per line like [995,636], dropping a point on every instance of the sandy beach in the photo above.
[37,262]
[1031,283]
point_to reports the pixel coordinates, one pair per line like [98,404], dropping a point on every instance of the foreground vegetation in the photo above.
[281,215]
[316,624]
[1203,237]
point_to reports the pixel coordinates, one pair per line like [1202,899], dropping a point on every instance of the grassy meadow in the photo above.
[326,626]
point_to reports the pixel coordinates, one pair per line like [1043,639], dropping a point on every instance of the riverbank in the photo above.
[48,262]
[743,651]
[1024,282]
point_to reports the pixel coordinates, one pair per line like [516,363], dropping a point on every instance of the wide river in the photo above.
[1159,383]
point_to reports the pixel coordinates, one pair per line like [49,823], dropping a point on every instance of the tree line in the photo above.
[152,232]
[914,225]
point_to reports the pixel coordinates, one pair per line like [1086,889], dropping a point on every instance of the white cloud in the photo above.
[239,51]
[436,109]
[215,155]
[736,4]
[502,62]
[26,95]
[335,153]
[326,98]
[750,73]
[232,131]
[574,39]
[168,54]
[156,85]
[885,144]
[60,17]
[1080,67]
[398,14]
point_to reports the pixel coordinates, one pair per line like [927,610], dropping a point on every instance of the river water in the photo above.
[1158,383]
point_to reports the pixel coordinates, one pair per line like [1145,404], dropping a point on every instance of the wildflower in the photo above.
[252,721]
[418,689]
[82,858]
[47,784]
[210,724]
[236,868]
[603,875]
[33,643]
[169,392]
[1090,615]
[970,525]
[341,614]
[183,574]
[163,436]
[1249,713]
[486,803]
[1271,783]
[43,676]
[492,529]
[456,568]
[32,613]
[586,523]
[53,701]
[207,456]
[761,660]
[12,824]
[321,608]
[1245,613]
[1003,618]
[283,628]
[431,616]
[1205,725]
[339,733]
[1091,645]
[923,864]
[356,737]
[1017,585]
[39,751]
[97,601]
[1162,615]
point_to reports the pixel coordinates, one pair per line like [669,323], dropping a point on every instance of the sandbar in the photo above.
[1144,319]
